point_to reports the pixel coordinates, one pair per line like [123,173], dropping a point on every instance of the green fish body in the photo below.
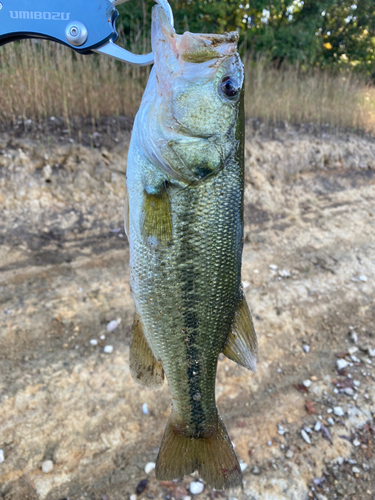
[185,182]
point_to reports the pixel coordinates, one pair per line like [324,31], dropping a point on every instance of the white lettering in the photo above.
[37,15]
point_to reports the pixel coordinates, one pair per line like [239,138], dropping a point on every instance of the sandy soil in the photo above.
[309,276]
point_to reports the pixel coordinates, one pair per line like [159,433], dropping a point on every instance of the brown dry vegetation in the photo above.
[40,80]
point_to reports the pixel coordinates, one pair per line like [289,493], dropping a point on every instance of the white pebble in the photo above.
[371,352]
[357,383]
[133,497]
[256,271]
[341,364]
[355,359]
[352,350]
[245,284]
[354,337]
[149,467]
[336,391]
[145,409]
[305,436]
[112,325]
[368,361]
[329,410]
[349,391]
[330,421]
[338,411]
[1,456]
[356,470]
[187,497]
[306,348]
[47,466]
[93,342]
[339,460]
[108,349]
[307,383]
[196,487]
[362,278]
[317,426]
[273,267]
[243,466]
[356,442]
[102,337]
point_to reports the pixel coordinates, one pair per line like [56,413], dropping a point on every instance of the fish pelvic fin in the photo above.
[144,367]
[211,454]
[242,345]
[157,221]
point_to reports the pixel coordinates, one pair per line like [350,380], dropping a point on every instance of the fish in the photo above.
[185,226]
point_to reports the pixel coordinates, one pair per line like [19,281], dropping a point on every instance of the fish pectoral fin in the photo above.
[157,220]
[144,367]
[242,344]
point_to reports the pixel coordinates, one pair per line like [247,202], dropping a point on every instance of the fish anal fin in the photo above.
[157,218]
[211,454]
[242,345]
[144,367]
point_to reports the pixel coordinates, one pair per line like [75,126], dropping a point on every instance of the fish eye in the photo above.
[230,86]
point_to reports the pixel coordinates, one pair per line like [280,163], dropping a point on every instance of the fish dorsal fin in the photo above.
[157,219]
[242,344]
[144,367]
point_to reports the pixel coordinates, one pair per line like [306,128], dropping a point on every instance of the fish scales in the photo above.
[185,181]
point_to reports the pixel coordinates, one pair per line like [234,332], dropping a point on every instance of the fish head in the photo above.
[194,100]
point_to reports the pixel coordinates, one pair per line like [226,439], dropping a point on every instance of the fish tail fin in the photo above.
[211,454]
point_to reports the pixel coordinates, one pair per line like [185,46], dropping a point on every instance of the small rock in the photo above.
[196,487]
[338,411]
[305,436]
[112,325]
[281,431]
[317,426]
[47,172]
[256,471]
[306,348]
[284,273]
[354,337]
[330,421]
[102,337]
[273,267]
[108,349]
[356,470]
[149,467]
[141,486]
[339,460]
[363,278]
[319,496]
[133,497]
[355,359]
[1,456]
[371,352]
[245,284]
[307,383]
[243,466]
[145,409]
[356,443]
[93,342]
[289,454]
[349,391]
[357,383]
[352,350]
[341,364]
[47,466]
[368,361]
[187,497]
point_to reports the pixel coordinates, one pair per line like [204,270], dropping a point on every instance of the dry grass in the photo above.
[40,80]
[293,96]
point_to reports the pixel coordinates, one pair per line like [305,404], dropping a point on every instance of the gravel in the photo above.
[149,467]
[196,487]
[341,364]
[47,466]
[305,436]
[338,411]
[108,349]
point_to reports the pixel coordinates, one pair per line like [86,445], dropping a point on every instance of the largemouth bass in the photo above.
[184,220]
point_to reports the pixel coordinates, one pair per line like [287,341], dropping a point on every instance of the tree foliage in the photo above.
[329,33]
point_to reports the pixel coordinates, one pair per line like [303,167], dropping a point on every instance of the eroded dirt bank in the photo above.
[309,276]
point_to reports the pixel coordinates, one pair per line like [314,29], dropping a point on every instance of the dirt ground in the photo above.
[73,424]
